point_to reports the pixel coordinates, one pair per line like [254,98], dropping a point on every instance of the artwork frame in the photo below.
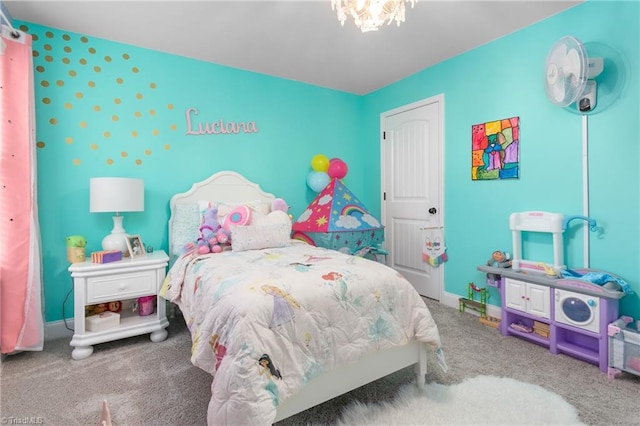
[495,149]
[135,246]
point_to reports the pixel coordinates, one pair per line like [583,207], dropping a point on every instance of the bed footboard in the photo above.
[348,378]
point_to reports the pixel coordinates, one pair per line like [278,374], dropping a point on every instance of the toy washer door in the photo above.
[579,310]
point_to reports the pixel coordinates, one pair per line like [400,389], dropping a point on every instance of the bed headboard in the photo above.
[226,186]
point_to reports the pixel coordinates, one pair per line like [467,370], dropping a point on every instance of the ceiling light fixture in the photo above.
[368,15]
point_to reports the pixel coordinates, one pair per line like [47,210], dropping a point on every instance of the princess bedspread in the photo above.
[265,322]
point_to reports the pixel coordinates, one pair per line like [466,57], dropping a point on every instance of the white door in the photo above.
[412,181]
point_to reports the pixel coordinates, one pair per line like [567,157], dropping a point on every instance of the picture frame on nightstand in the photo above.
[135,246]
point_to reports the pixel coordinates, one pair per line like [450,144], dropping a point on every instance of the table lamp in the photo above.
[116,195]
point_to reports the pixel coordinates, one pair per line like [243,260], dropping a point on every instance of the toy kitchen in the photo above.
[567,311]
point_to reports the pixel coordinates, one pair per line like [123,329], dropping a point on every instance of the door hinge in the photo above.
[384,135]
[384,196]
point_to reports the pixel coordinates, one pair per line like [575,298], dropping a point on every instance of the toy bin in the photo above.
[624,347]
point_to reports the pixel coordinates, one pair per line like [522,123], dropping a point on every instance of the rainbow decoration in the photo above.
[337,219]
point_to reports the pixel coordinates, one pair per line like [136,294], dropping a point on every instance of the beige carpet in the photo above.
[155,384]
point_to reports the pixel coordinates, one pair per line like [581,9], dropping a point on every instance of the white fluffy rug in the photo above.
[482,400]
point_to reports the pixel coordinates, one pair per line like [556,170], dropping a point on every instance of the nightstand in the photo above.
[124,280]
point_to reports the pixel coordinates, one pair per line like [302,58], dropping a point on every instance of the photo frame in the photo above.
[135,246]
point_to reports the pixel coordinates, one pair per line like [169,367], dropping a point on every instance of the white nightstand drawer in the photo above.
[121,286]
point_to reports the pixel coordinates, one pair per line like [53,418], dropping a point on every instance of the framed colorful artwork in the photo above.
[495,149]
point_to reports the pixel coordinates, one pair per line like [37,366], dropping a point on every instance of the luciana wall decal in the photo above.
[219,127]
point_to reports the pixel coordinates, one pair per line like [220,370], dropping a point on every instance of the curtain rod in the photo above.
[14,33]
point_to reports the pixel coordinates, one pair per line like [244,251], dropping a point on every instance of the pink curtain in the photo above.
[21,316]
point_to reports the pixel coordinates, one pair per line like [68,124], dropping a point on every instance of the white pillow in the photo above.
[184,226]
[270,231]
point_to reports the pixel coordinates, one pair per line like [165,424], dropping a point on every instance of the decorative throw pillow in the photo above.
[272,231]
[224,207]
[239,216]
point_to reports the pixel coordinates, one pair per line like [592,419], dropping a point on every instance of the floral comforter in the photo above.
[265,322]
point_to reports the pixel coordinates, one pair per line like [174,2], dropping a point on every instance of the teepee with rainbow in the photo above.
[336,219]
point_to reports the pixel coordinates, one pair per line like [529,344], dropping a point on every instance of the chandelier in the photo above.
[368,15]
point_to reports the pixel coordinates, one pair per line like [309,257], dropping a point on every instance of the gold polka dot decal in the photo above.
[102,100]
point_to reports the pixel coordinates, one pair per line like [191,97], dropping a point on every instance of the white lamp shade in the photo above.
[115,195]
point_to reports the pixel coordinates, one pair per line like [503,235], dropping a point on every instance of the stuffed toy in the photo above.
[211,236]
[281,205]
[499,259]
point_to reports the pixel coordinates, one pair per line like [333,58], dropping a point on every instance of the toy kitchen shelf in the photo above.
[531,298]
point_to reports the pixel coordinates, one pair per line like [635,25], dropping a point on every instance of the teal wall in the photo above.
[504,79]
[108,109]
[87,86]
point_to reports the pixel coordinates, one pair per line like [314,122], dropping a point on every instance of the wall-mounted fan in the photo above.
[570,74]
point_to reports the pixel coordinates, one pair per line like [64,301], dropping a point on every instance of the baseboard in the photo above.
[58,330]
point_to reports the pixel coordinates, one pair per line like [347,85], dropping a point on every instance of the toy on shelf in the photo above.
[499,259]
[115,306]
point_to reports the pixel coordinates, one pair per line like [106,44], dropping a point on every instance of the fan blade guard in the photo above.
[566,71]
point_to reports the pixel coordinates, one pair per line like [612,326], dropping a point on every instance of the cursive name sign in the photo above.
[219,127]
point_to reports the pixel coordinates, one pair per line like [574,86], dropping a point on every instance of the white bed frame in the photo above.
[229,186]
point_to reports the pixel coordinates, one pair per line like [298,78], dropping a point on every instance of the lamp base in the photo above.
[116,240]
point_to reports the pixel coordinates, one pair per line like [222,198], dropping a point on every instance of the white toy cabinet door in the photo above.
[527,297]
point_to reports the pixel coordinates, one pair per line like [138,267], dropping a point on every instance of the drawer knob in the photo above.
[122,286]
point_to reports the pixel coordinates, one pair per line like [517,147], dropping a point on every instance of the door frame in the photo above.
[433,99]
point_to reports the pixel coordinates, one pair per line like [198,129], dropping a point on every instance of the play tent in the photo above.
[336,219]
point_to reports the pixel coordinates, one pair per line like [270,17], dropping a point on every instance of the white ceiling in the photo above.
[296,40]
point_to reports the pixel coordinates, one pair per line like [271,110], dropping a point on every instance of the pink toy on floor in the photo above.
[634,363]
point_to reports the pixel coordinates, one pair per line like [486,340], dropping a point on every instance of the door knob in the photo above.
[433,210]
